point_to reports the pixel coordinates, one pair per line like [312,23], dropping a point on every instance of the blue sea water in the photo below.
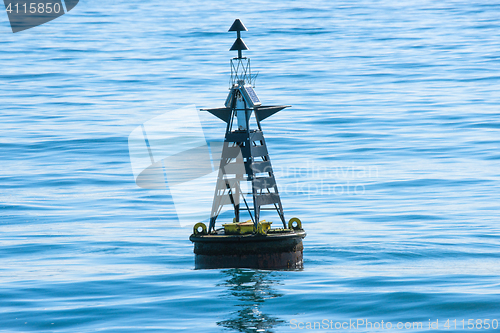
[389,155]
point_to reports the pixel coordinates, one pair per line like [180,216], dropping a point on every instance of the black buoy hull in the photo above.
[282,250]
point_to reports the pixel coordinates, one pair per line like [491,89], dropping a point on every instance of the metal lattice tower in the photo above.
[244,154]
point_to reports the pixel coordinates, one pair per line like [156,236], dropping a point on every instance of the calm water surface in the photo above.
[390,156]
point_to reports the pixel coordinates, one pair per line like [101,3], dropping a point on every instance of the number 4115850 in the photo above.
[34,8]
[472,324]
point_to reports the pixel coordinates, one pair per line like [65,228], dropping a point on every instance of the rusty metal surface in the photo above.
[290,244]
[221,244]
[274,251]
[277,260]
[272,235]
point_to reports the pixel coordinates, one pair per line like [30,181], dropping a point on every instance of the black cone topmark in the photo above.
[25,14]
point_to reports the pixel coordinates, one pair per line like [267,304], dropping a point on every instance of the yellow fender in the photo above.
[292,221]
[196,229]
[261,229]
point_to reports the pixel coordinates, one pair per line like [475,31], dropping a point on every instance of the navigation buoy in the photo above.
[245,161]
